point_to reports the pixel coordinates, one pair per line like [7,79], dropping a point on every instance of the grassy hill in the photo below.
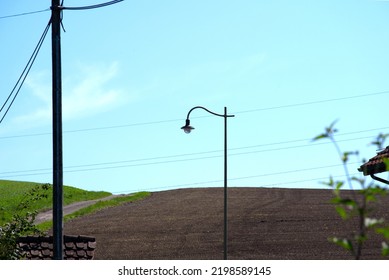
[12,193]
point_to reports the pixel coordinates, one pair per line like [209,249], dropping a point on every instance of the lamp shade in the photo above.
[187,128]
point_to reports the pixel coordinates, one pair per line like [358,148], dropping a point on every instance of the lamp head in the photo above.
[187,128]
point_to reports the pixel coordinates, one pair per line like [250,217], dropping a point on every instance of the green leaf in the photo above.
[360,180]
[330,183]
[380,140]
[372,192]
[386,161]
[321,136]
[339,184]
[347,154]
[336,200]
[360,238]
[385,249]
[344,201]
[344,243]
[331,129]
[383,231]
[336,185]
[342,212]
[326,183]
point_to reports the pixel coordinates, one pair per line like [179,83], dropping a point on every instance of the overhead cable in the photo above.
[313,102]
[92,6]
[24,75]
[218,181]
[25,14]
[150,161]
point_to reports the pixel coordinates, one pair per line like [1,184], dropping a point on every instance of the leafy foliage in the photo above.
[22,223]
[380,140]
[360,204]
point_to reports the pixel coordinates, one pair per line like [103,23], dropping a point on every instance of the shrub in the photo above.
[359,204]
[22,223]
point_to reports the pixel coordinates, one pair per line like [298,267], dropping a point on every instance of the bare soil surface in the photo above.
[263,223]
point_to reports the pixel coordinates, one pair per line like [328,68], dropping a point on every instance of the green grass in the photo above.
[97,206]
[12,193]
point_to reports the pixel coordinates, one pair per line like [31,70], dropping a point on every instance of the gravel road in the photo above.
[69,209]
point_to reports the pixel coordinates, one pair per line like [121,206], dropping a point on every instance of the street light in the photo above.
[187,129]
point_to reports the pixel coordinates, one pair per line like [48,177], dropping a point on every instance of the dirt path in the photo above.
[188,224]
[69,209]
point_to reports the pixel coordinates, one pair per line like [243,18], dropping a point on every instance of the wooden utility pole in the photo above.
[57,131]
[56,10]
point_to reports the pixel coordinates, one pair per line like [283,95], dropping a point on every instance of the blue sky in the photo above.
[133,70]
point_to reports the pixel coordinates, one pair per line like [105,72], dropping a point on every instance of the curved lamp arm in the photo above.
[188,128]
[213,113]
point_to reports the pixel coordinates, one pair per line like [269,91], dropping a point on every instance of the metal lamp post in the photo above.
[187,129]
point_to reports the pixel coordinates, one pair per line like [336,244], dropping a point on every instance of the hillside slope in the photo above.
[188,224]
[13,193]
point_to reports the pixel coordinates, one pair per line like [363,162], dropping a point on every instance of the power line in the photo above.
[308,180]
[64,8]
[84,168]
[199,153]
[25,14]
[214,181]
[24,74]
[181,119]
[135,162]
[218,151]
[91,129]
[312,102]
[92,6]
[218,181]
[31,61]
[170,158]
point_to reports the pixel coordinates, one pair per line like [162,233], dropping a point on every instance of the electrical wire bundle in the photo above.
[16,89]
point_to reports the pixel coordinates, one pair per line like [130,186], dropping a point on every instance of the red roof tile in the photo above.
[376,164]
[41,247]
